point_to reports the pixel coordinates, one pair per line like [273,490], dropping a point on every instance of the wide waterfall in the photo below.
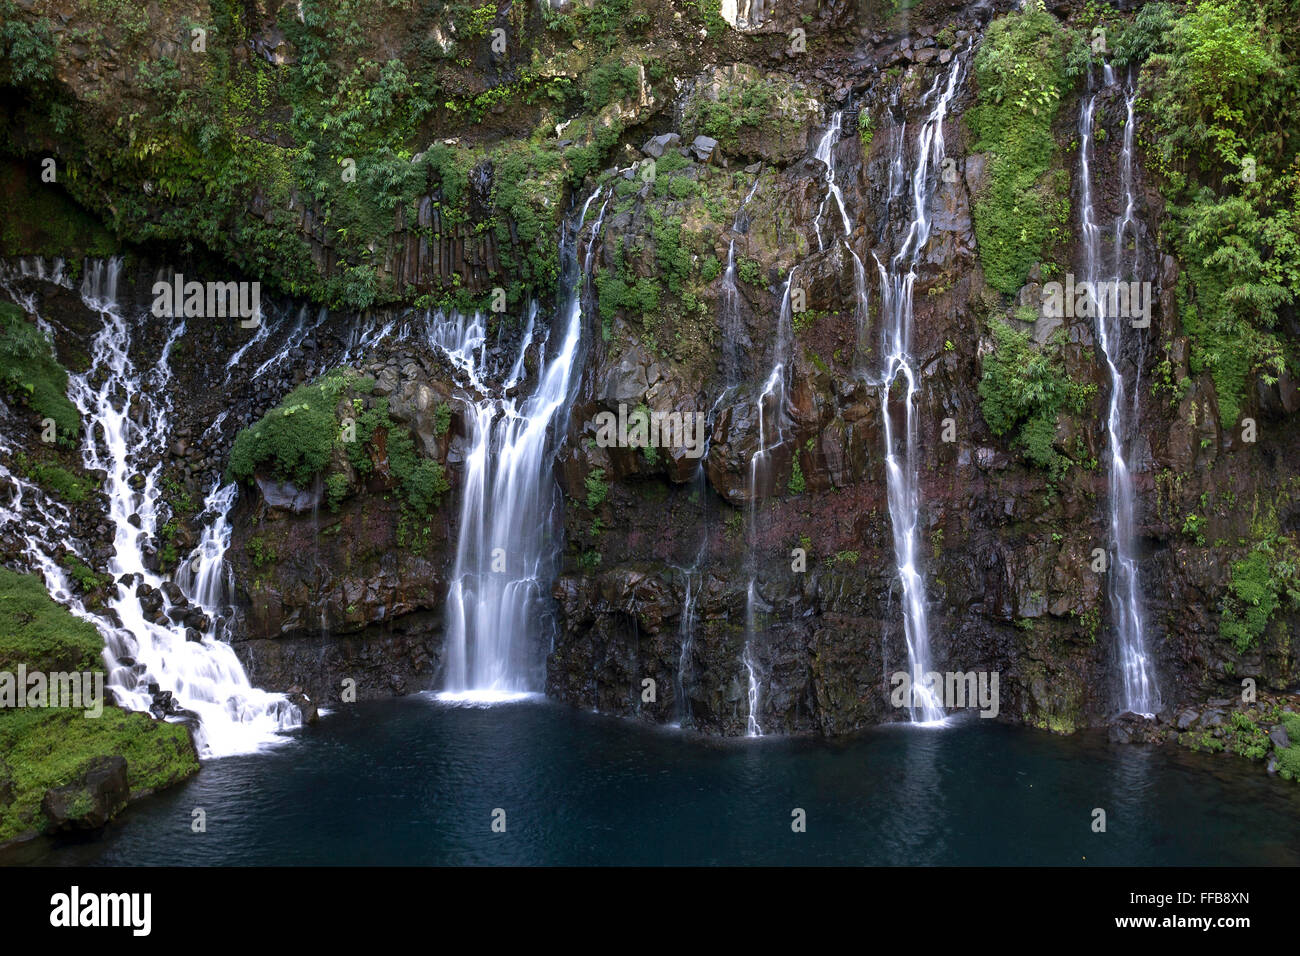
[1139,693]
[506,552]
[149,652]
[896,286]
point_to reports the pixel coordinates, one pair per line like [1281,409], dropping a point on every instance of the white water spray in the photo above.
[896,288]
[1140,695]
[506,552]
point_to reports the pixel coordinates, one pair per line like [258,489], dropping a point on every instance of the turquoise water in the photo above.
[415,781]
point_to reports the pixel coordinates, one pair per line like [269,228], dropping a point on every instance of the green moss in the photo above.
[50,747]
[764,107]
[36,631]
[1020,71]
[30,373]
[55,479]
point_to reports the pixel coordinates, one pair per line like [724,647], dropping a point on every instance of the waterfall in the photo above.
[734,338]
[506,552]
[126,414]
[825,154]
[1140,693]
[773,395]
[896,285]
[204,577]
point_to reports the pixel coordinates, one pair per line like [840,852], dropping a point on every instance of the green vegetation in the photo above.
[1261,583]
[41,220]
[26,52]
[1022,392]
[1020,69]
[50,747]
[865,130]
[40,633]
[260,552]
[1223,87]
[597,488]
[42,748]
[763,108]
[293,441]
[797,483]
[304,439]
[54,478]
[30,373]
[1288,759]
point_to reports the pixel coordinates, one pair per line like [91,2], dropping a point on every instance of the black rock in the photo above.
[91,801]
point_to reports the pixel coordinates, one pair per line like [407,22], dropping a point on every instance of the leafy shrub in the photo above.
[1260,583]
[597,488]
[294,440]
[1023,390]
[1224,89]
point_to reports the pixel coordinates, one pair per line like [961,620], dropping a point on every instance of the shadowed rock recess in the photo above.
[408,186]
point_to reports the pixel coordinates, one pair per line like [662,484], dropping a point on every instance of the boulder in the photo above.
[92,800]
[287,496]
[703,147]
[656,146]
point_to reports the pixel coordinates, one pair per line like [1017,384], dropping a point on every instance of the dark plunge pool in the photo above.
[416,781]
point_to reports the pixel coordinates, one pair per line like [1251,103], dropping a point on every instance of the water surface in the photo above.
[416,781]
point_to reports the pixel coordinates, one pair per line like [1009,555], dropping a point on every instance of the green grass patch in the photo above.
[50,747]
[36,631]
[42,748]
[30,373]
[55,478]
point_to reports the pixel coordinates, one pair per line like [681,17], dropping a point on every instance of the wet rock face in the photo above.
[354,589]
[1008,552]
[322,669]
[327,597]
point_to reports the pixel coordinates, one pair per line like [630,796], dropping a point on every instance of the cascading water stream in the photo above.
[896,287]
[505,554]
[825,154]
[772,412]
[126,414]
[1140,695]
